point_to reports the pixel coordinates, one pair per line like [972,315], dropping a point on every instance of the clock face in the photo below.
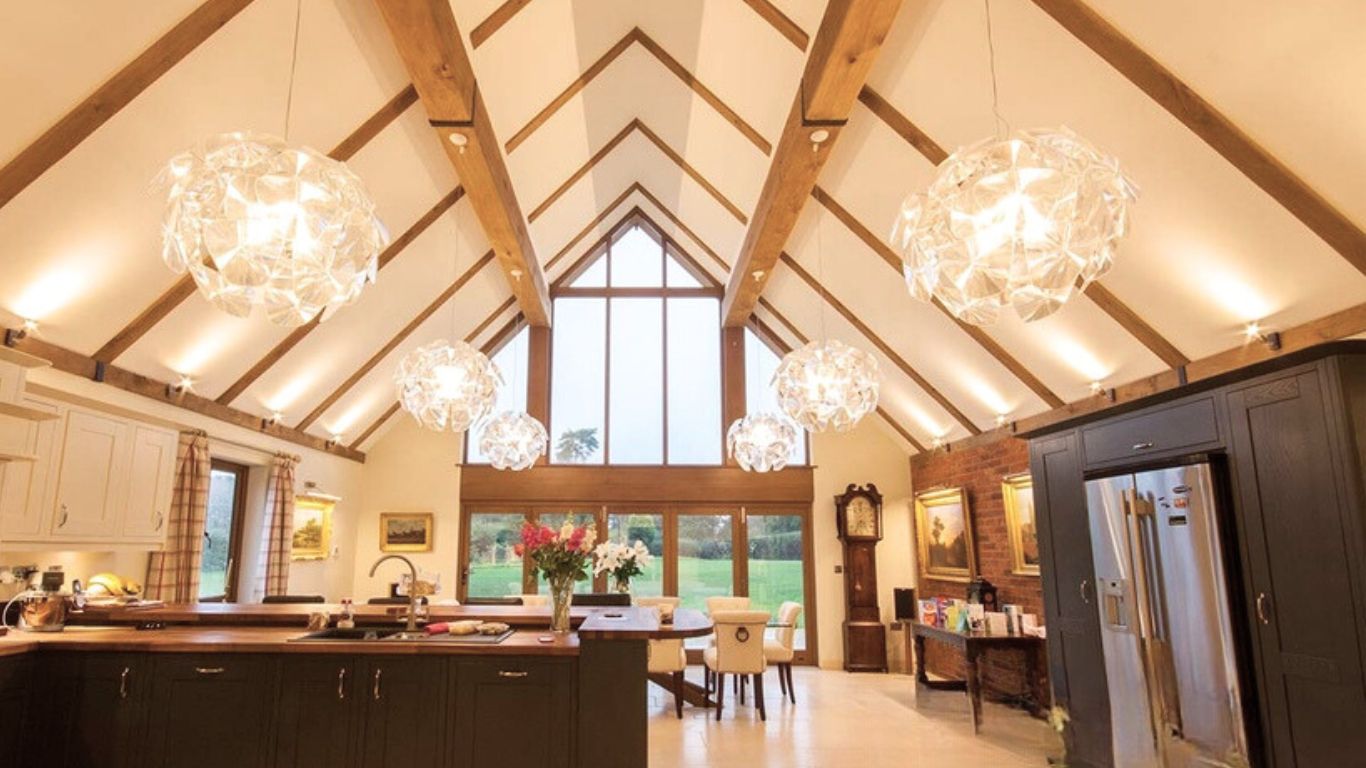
[861,518]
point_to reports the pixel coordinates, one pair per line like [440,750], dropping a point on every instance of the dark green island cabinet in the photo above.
[92,709]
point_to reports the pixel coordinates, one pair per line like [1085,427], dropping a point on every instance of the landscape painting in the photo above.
[944,535]
[312,529]
[405,532]
[1017,492]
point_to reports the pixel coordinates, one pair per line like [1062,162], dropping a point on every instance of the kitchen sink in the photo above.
[396,635]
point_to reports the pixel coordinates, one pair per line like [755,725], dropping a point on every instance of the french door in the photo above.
[762,552]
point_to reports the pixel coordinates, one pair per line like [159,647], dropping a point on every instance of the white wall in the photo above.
[410,469]
[342,477]
[865,455]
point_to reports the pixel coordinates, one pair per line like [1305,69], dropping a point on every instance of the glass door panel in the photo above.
[776,574]
[495,569]
[648,528]
[706,558]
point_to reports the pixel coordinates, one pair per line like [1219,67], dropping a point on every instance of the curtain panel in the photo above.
[173,573]
[279,537]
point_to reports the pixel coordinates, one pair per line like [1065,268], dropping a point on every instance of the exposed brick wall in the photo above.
[979,472]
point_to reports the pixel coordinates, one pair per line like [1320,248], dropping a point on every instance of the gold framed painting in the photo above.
[1017,492]
[943,534]
[405,532]
[312,536]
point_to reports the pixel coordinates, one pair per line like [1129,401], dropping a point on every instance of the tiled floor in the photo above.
[862,721]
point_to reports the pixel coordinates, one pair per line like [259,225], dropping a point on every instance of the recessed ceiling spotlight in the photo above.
[820,136]
[758,274]
[460,140]
[1272,339]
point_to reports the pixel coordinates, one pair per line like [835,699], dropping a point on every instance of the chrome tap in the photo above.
[412,593]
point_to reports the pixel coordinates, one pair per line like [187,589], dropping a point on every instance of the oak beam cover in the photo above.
[297,335]
[495,21]
[114,94]
[845,46]
[430,44]
[1212,126]
[184,288]
[780,21]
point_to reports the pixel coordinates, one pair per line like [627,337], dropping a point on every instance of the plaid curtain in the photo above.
[279,524]
[173,573]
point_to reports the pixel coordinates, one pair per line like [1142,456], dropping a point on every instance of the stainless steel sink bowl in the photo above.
[363,634]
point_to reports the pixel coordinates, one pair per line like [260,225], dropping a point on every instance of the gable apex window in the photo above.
[636,354]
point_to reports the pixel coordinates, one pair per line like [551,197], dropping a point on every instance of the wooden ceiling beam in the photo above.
[495,21]
[780,21]
[1213,127]
[636,35]
[978,335]
[114,94]
[593,224]
[882,346]
[495,340]
[1128,319]
[430,44]
[842,53]
[766,332]
[1339,325]
[86,367]
[184,287]
[635,125]
[389,346]
[685,229]
[297,335]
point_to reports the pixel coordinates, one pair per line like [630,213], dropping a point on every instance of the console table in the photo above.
[973,645]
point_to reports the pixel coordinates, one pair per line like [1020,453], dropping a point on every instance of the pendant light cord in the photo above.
[293,65]
[820,275]
[1002,127]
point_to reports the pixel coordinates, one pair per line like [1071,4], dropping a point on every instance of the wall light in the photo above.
[183,385]
[272,420]
[1272,339]
[15,335]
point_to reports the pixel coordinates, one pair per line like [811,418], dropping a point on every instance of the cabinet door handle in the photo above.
[123,683]
[210,670]
[341,684]
[376,691]
[1262,615]
[514,675]
[1142,446]
[161,520]
[65,514]
[1081,588]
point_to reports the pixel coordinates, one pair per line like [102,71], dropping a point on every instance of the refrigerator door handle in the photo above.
[1262,614]
[1081,588]
[1138,564]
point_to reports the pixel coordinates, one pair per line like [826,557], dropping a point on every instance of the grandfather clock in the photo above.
[858,518]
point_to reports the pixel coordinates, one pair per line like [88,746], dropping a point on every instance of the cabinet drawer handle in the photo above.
[1142,446]
[1081,588]
[161,520]
[341,684]
[65,515]
[123,683]
[210,670]
[376,691]
[513,675]
[1261,608]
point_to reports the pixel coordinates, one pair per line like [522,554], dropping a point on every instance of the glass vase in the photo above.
[622,584]
[561,595]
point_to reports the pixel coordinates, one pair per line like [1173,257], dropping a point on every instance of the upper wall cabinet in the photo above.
[97,481]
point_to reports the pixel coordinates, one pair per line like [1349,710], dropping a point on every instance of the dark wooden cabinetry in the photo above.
[318,711]
[96,707]
[210,711]
[515,713]
[405,714]
[1290,434]
[14,686]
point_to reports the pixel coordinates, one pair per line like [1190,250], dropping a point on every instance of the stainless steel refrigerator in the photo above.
[1164,615]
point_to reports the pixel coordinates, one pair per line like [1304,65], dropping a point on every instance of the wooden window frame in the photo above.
[232,580]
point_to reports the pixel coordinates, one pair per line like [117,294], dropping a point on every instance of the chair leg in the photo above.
[744,683]
[759,696]
[791,689]
[678,694]
[720,693]
[782,682]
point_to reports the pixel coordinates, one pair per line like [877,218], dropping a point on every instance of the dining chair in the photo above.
[780,651]
[601,599]
[739,651]
[667,656]
[725,603]
[291,599]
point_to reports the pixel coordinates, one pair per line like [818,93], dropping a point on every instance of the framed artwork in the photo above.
[312,539]
[1017,491]
[943,534]
[403,532]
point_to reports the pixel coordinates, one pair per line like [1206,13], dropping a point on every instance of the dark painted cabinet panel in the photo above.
[512,713]
[316,722]
[1076,657]
[1305,566]
[15,673]
[209,711]
[1160,431]
[406,716]
[94,706]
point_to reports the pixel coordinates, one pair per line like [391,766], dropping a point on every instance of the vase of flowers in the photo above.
[622,561]
[562,557]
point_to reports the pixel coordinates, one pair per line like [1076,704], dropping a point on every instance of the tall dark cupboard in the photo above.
[1288,435]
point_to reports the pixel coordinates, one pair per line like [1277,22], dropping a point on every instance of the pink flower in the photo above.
[547,536]
[575,539]
[518,549]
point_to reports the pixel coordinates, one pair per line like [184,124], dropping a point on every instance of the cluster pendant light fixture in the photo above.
[514,440]
[258,222]
[1023,219]
[447,385]
[761,442]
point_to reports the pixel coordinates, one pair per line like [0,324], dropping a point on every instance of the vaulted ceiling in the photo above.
[1239,122]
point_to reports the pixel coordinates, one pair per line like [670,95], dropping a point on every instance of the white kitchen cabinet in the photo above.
[92,476]
[26,487]
[150,483]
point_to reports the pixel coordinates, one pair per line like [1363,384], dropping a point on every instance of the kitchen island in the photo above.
[234,686]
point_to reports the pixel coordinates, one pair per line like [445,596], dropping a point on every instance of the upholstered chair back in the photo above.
[740,641]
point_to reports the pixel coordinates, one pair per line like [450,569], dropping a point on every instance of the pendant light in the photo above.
[514,440]
[258,222]
[1025,219]
[761,442]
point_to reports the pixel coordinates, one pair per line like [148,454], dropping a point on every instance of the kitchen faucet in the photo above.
[411,632]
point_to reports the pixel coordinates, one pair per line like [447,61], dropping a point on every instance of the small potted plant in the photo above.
[623,561]
[562,557]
